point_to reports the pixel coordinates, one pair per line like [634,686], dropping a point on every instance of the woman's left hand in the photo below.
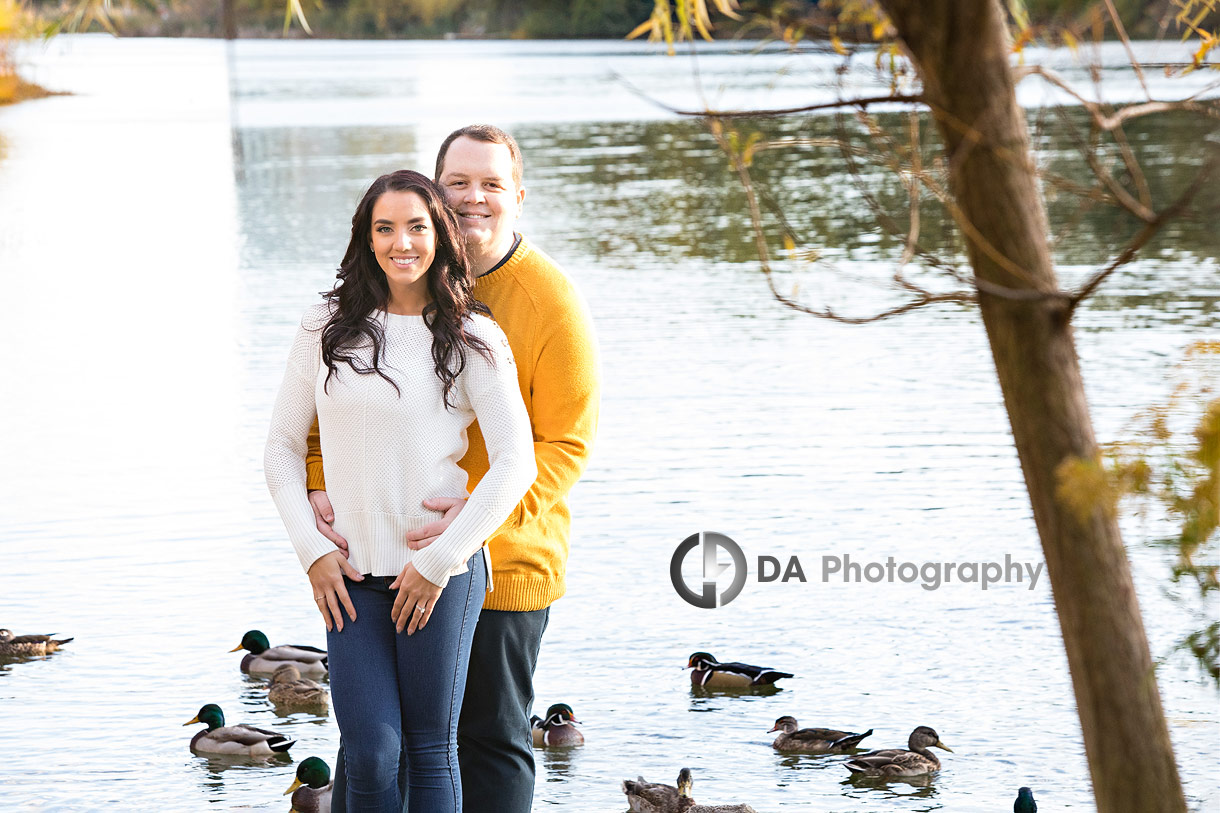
[416,599]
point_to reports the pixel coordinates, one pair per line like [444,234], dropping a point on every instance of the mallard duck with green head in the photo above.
[557,729]
[915,761]
[655,797]
[234,740]
[1025,802]
[28,646]
[796,740]
[713,674]
[311,790]
[264,659]
[288,690]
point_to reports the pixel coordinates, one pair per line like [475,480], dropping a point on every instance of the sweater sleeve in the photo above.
[284,456]
[566,398]
[495,397]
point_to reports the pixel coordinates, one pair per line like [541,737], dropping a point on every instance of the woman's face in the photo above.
[403,240]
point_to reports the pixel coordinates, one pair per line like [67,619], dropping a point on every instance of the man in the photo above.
[549,331]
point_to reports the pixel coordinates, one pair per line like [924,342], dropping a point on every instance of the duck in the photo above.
[262,658]
[557,729]
[813,740]
[29,645]
[654,797]
[311,790]
[235,740]
[916,761]
[1025,802]
[288,689]
[713,674]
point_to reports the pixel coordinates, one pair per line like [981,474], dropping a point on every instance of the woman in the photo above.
[396,364]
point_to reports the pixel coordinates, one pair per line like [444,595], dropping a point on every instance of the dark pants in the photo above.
[495,748]
[397,697]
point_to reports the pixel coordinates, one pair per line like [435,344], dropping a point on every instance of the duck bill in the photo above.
[942,746]
[192,721]
[296,783]
[234,649]
[769,730]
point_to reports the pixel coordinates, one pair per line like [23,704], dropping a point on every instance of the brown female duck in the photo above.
[813,740]
[655,797]
[916,761]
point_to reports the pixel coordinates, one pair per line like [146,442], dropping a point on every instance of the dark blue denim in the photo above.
[395,693]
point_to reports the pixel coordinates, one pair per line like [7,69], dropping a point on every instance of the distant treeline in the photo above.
[529,19]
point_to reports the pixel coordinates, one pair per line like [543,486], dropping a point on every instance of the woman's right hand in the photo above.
[326,577]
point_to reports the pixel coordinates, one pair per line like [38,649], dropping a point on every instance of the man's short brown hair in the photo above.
[486,133]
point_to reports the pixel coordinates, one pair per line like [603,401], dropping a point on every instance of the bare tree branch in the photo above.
[747,114]
[1146,233]
[1126,41]
[1121,196]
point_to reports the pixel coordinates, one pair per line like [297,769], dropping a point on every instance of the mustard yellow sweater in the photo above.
[551,336]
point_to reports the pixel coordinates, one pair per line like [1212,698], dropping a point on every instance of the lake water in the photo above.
[164,227]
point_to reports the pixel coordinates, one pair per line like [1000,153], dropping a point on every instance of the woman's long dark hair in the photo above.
[362,289]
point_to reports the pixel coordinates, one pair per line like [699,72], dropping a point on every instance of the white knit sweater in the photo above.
[385,452]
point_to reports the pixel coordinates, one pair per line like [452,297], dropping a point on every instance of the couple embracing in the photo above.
[435,545]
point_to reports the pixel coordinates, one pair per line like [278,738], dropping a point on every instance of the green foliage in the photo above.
[1172,460]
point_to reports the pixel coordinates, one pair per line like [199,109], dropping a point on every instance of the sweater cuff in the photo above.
[294,508]
[465,535]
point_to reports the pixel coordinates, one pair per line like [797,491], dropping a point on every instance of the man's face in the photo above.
[478,181]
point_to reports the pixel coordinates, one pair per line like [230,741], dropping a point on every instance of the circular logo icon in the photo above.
[709,542]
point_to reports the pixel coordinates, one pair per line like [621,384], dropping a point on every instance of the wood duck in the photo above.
[311,790]
[236,740]
[814,740]
[288,689]
[654,797]
[1025,802]
[713,674]
[22,646]
[916,761]
[557,729]
[265,659]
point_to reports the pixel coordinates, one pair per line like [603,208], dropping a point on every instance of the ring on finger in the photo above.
[421,608]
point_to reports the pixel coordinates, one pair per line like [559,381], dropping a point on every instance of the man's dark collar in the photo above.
[504,259]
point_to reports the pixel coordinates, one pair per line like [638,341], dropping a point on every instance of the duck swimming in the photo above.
[897,762]
[28,645]
[1025,802]
[265,659]
[654,797]
[312,789]
[288,689]
[235,740]
[557,729]
[711,673]
[813,740]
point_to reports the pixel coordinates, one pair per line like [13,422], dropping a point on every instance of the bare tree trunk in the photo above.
[228,17]
[961,50]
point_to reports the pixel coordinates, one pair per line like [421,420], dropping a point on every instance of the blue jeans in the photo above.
[393,693]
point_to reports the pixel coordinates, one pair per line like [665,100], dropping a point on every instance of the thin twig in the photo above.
[1122,35]
[1147,233]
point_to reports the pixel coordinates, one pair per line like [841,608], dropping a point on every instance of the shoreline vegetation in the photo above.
[14,89]
[520,19]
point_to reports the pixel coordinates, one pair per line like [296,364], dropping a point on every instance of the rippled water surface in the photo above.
[164,227]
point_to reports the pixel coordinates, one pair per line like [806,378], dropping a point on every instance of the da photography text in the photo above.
[722,571]
[929,575]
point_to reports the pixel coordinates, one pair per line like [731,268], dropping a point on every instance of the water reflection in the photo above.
[894,787]
[561,764]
